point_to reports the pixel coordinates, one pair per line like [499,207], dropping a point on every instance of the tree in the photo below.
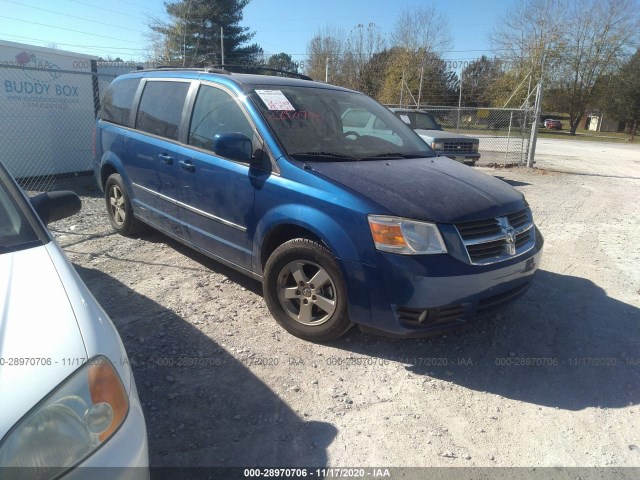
[477,79]
[595,46]
[361,44]
[421,28]
[372,75]
[420,35]
[402,79]
[282,61]
[570,44]
[191,36]
[620,94]
[326,47]
[529,37]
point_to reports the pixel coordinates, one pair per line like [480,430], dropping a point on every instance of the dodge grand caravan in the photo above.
[342,228]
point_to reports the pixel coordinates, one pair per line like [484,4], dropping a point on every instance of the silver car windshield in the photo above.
[16,232]
[335,125]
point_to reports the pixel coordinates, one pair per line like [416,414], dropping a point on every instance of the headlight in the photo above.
[475,146]
[437,145]
[408,237]
[69,424]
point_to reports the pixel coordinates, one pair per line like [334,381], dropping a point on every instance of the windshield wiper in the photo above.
[334,155]
[391,155]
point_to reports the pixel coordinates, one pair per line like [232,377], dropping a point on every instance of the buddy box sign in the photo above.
[44,89]
[48,110]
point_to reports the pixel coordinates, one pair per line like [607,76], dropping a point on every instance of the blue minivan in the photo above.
[342,228]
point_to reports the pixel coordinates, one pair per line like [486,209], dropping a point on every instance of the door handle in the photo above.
[165,158]
[187,165]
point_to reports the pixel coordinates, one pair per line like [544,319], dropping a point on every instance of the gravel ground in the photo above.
[222,384]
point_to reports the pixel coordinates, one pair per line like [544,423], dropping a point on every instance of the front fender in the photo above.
[343,245]
[349,248]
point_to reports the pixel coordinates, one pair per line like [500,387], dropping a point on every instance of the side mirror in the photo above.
[53,206]
[234,145]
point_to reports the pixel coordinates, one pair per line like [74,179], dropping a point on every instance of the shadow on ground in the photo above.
[202,406]
[513,183]
[565,344]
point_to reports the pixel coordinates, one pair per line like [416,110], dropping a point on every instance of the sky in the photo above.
[117,28]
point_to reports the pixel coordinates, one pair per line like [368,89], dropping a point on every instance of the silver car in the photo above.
[456,146]
[67,394]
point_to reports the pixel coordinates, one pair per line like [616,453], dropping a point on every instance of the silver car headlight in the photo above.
[437,145]
[474,147]
[69,424]
[407,237]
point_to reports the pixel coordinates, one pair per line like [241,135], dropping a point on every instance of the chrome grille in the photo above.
[458,147]
[497,239]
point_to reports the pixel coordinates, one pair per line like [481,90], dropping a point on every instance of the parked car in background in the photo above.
[461,148]
[342,211]
[553,124]
[67,392]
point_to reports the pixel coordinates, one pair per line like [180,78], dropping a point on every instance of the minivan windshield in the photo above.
[335,125]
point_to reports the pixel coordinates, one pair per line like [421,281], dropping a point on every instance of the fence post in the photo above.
[534,127]
[506,155]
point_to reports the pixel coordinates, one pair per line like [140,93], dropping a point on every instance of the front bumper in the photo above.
[466,157]
[422,295]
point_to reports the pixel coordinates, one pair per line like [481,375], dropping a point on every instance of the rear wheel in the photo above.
[305,292]
[119,208]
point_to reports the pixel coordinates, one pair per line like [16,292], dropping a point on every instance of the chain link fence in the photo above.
[46,127]
[504,133]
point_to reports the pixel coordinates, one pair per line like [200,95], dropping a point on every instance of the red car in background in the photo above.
[553,124]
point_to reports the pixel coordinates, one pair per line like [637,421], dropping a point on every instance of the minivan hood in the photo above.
[37,325]
[434,189]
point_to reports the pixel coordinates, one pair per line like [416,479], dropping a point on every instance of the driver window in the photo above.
[214,112]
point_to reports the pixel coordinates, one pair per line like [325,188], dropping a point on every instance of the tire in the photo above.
[304,308]
[119,208]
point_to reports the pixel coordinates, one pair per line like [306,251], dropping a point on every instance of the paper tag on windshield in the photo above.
[275,100]
[405,119]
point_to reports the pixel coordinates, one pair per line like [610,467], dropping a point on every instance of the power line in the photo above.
[73,44]
[67,29]
[109,10]
[72,16]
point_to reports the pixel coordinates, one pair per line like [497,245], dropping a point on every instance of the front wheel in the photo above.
[305,291]
[119,208]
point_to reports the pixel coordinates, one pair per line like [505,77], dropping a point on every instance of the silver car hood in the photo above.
[433,135]
[37,326]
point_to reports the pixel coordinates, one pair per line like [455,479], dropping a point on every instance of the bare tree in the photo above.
[571,44]
[602,32]
[422,27]
[361,44]
[326,46]
[530,37]
[420,35]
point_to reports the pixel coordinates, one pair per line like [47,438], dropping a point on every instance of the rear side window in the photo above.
[160,108]
[117,101]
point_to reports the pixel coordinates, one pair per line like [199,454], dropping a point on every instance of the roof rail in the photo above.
[185,69]
[260,70]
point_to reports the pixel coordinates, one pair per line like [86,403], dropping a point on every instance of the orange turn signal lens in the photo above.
[386,234]
[106,387]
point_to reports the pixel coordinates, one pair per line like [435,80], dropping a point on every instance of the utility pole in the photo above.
[459,101]
[326,70]
[534,128]
[420,87]
[222,44]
